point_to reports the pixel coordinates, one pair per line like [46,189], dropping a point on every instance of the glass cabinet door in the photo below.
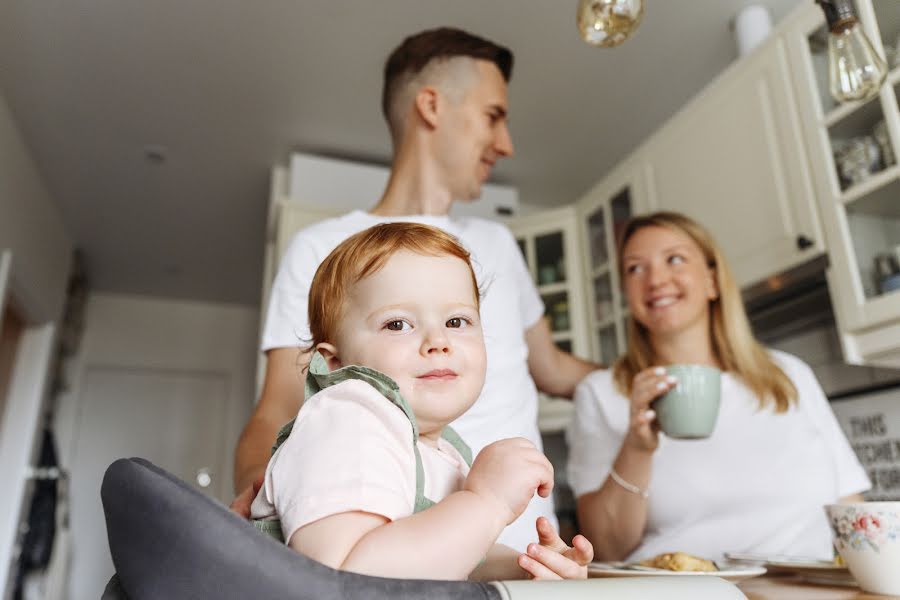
[621,212]
[604,225]
[609,346]
[596,230]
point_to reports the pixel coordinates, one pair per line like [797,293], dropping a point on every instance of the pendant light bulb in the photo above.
[855,71]
[608,23]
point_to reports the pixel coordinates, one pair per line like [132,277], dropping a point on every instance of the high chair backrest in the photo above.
[168,540]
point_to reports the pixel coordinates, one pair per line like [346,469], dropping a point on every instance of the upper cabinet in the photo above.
[602,212]
[853,159]
[734,159]
[550,244]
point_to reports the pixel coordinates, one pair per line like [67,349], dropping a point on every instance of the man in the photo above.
[445,101]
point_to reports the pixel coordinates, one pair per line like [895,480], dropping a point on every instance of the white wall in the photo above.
[32,227]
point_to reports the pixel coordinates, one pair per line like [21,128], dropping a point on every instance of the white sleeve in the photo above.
[350,449]
[286,323]
[850,475]
[593,444]
[529,298]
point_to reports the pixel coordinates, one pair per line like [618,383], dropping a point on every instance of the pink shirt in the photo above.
[351,450]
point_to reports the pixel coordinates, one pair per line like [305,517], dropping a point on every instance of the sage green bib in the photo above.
[319,378]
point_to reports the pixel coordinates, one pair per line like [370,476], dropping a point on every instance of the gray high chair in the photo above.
[169,541]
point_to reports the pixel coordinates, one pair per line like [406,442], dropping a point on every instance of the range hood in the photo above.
[790,302]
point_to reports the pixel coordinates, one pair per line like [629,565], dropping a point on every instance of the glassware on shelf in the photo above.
[857,159]
[873,222]
[556,309]
[550,257]
[621,212]
[603,298]
[597,238]
[880,133]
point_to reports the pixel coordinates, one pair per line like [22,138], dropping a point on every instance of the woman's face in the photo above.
[667,281]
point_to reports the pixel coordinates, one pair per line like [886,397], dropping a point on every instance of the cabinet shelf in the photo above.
[870,185]
[893,77]
[553,288]
[600,271]
[604,323]
[840,112]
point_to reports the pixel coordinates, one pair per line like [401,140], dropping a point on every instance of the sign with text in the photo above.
[872,424]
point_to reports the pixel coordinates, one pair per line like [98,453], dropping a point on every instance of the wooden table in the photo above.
[789,587]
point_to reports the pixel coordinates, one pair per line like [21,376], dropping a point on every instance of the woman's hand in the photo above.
[647,386]
[551,558]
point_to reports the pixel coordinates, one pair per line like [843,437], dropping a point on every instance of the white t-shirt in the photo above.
[351,449]
[758,484]
[507,406]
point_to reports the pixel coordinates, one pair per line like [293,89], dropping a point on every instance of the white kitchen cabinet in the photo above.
[734,160]
[549,242]
[859,207]
[602,212]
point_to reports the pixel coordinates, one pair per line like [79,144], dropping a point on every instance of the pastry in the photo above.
[679,561]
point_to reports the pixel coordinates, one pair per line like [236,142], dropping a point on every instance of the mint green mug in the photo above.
[689,410]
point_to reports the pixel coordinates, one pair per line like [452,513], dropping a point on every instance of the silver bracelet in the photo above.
[628,486]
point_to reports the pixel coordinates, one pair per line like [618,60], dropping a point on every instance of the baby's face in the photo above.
[416,321]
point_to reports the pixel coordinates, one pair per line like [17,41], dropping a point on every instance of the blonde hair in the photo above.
[363,254]
[733,343]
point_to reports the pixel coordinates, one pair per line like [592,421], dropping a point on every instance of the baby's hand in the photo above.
[507,473]
[553,559]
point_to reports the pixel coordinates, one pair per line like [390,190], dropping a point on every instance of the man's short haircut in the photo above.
[365,253]
[419,50]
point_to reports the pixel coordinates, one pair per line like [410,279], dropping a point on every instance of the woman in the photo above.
[777,454]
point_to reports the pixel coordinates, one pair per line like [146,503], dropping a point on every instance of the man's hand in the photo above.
[507,473]
[553,559]
[241,504]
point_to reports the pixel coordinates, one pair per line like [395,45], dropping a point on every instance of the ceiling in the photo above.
[224,89]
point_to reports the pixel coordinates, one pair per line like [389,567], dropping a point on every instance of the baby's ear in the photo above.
[330,354]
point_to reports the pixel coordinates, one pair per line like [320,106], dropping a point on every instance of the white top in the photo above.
[510,305]
[351,449]
[757,484]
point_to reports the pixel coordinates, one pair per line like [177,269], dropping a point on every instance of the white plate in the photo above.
[815,571]
[808,569]
[732,573]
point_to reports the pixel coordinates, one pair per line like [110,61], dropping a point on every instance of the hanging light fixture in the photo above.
[855,71]
[608,23]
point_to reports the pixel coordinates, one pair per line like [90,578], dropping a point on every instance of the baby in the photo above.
[370,478]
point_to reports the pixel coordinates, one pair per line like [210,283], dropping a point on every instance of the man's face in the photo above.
[472,133]
[416,320]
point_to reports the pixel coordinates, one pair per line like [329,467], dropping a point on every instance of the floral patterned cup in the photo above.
[867,536]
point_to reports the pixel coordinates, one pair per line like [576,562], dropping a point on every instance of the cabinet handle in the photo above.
[804,242]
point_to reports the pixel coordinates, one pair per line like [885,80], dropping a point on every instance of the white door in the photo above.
[169,381]
[180,416]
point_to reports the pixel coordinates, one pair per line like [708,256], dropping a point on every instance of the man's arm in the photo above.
[554,372]
[281,397]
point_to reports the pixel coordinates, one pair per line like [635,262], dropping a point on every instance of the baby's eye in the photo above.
[676,259]
[456,322]
[632,269]
[397,325]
